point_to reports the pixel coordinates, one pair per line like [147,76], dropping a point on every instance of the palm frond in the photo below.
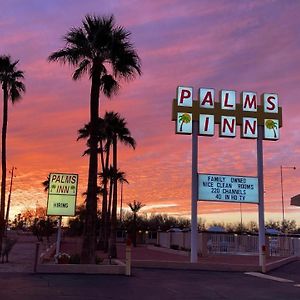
[82,69]
[10,76]
[109,85]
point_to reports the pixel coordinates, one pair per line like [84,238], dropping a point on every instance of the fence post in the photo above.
[263,259]
[36,256]
[267,246]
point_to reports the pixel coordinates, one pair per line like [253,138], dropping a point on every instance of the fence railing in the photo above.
[227,243]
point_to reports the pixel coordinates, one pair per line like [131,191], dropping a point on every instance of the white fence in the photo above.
[222,243]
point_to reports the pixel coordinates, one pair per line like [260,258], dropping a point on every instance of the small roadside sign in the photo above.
[62,194]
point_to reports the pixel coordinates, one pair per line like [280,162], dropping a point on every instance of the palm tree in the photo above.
[270,124]
[96,47]
[104,137]
[135,208]
[13,87]
[184,119]
[120,133]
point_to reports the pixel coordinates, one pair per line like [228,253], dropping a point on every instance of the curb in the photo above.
[117,268]
[280,263]
[174,265]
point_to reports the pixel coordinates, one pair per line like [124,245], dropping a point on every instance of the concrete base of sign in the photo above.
[117,267]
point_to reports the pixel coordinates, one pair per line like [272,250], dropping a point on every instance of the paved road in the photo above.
[153,284]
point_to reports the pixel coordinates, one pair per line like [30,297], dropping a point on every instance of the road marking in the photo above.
[264,276]
[297,285]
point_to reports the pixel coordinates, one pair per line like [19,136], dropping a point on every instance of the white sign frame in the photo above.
[225,183]
[62,194]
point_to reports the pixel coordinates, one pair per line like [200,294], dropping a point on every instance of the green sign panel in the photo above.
[62,194]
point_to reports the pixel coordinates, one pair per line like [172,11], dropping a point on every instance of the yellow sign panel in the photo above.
[62,194]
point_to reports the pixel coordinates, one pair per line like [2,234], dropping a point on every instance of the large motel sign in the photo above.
[198,117]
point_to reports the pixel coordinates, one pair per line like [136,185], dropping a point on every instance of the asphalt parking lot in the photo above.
[283,283]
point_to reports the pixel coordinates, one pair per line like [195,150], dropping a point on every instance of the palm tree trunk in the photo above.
[113,232]
[110,199]
[3,179]
[100,244]
[89,239]
[106,216]
[134,230]
[180,129]
[101,155]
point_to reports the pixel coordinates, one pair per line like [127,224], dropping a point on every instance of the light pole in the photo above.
[121,211]
[241,213]
[281,181]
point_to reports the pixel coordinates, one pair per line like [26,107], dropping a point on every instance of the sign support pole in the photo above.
[261,216]
[58,236]
[194,223]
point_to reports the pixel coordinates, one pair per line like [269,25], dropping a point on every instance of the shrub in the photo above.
[98,260]
[62,258]
[174,247]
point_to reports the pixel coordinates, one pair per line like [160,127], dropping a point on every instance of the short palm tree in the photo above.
[13,87]
[97,47]
[135,208]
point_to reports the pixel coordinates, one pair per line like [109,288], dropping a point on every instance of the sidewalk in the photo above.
[21,257]
[147,256]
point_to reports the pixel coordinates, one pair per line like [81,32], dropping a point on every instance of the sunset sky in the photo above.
[236,45]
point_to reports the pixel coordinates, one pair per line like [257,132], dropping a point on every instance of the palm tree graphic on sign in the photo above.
[184,119]
[270,124]
[53,186]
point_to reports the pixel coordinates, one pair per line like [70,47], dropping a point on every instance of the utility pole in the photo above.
[9,199]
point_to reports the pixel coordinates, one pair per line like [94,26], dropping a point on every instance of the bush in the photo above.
[62,258]
[185,249]
[98,260]
[74,259]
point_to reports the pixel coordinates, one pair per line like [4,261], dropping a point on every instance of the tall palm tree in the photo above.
[110,129]
[122,134]
[104,137]
[135,208]
[112,176]
[13,87]
[97,47]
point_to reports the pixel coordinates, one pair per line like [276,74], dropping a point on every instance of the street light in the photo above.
[282,202]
